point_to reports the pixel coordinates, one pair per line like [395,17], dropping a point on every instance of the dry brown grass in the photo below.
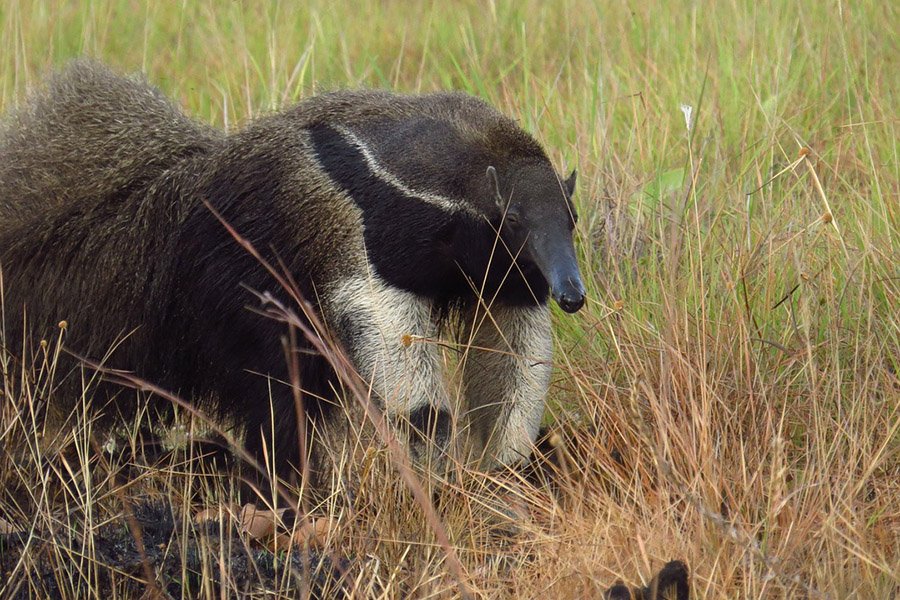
[730,395]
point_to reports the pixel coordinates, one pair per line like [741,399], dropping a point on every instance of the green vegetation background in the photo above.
[738,186]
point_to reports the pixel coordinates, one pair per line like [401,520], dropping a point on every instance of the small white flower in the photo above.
[688,111]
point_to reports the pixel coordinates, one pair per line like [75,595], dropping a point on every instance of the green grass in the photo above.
[741,343]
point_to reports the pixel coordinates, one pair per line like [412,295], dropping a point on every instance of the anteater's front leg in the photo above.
[506,373]
[389,334]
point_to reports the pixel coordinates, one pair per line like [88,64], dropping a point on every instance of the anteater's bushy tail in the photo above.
[87,135]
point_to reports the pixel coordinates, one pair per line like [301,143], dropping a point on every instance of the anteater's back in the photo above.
[89,134]
[97,173]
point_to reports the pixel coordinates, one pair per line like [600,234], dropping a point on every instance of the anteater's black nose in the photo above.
[569,293]
[570,301]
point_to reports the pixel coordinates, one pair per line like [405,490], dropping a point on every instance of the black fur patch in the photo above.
[429,422]
[422,248]
[218,281]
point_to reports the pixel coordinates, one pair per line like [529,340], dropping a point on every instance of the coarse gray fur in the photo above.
[363,196]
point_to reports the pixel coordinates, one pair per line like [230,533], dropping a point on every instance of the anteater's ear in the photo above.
[570,184]
[494,182]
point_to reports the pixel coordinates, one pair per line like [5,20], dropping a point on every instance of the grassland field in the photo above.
[734,379]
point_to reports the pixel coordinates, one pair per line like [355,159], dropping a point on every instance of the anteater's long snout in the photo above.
[559,266]
[568,289]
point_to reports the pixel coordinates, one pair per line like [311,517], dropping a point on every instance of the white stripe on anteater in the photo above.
[450,205]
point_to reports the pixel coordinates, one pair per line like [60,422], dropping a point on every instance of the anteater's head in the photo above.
[536,219]
[438,178]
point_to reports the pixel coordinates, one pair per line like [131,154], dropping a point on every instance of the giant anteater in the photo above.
[390,212]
